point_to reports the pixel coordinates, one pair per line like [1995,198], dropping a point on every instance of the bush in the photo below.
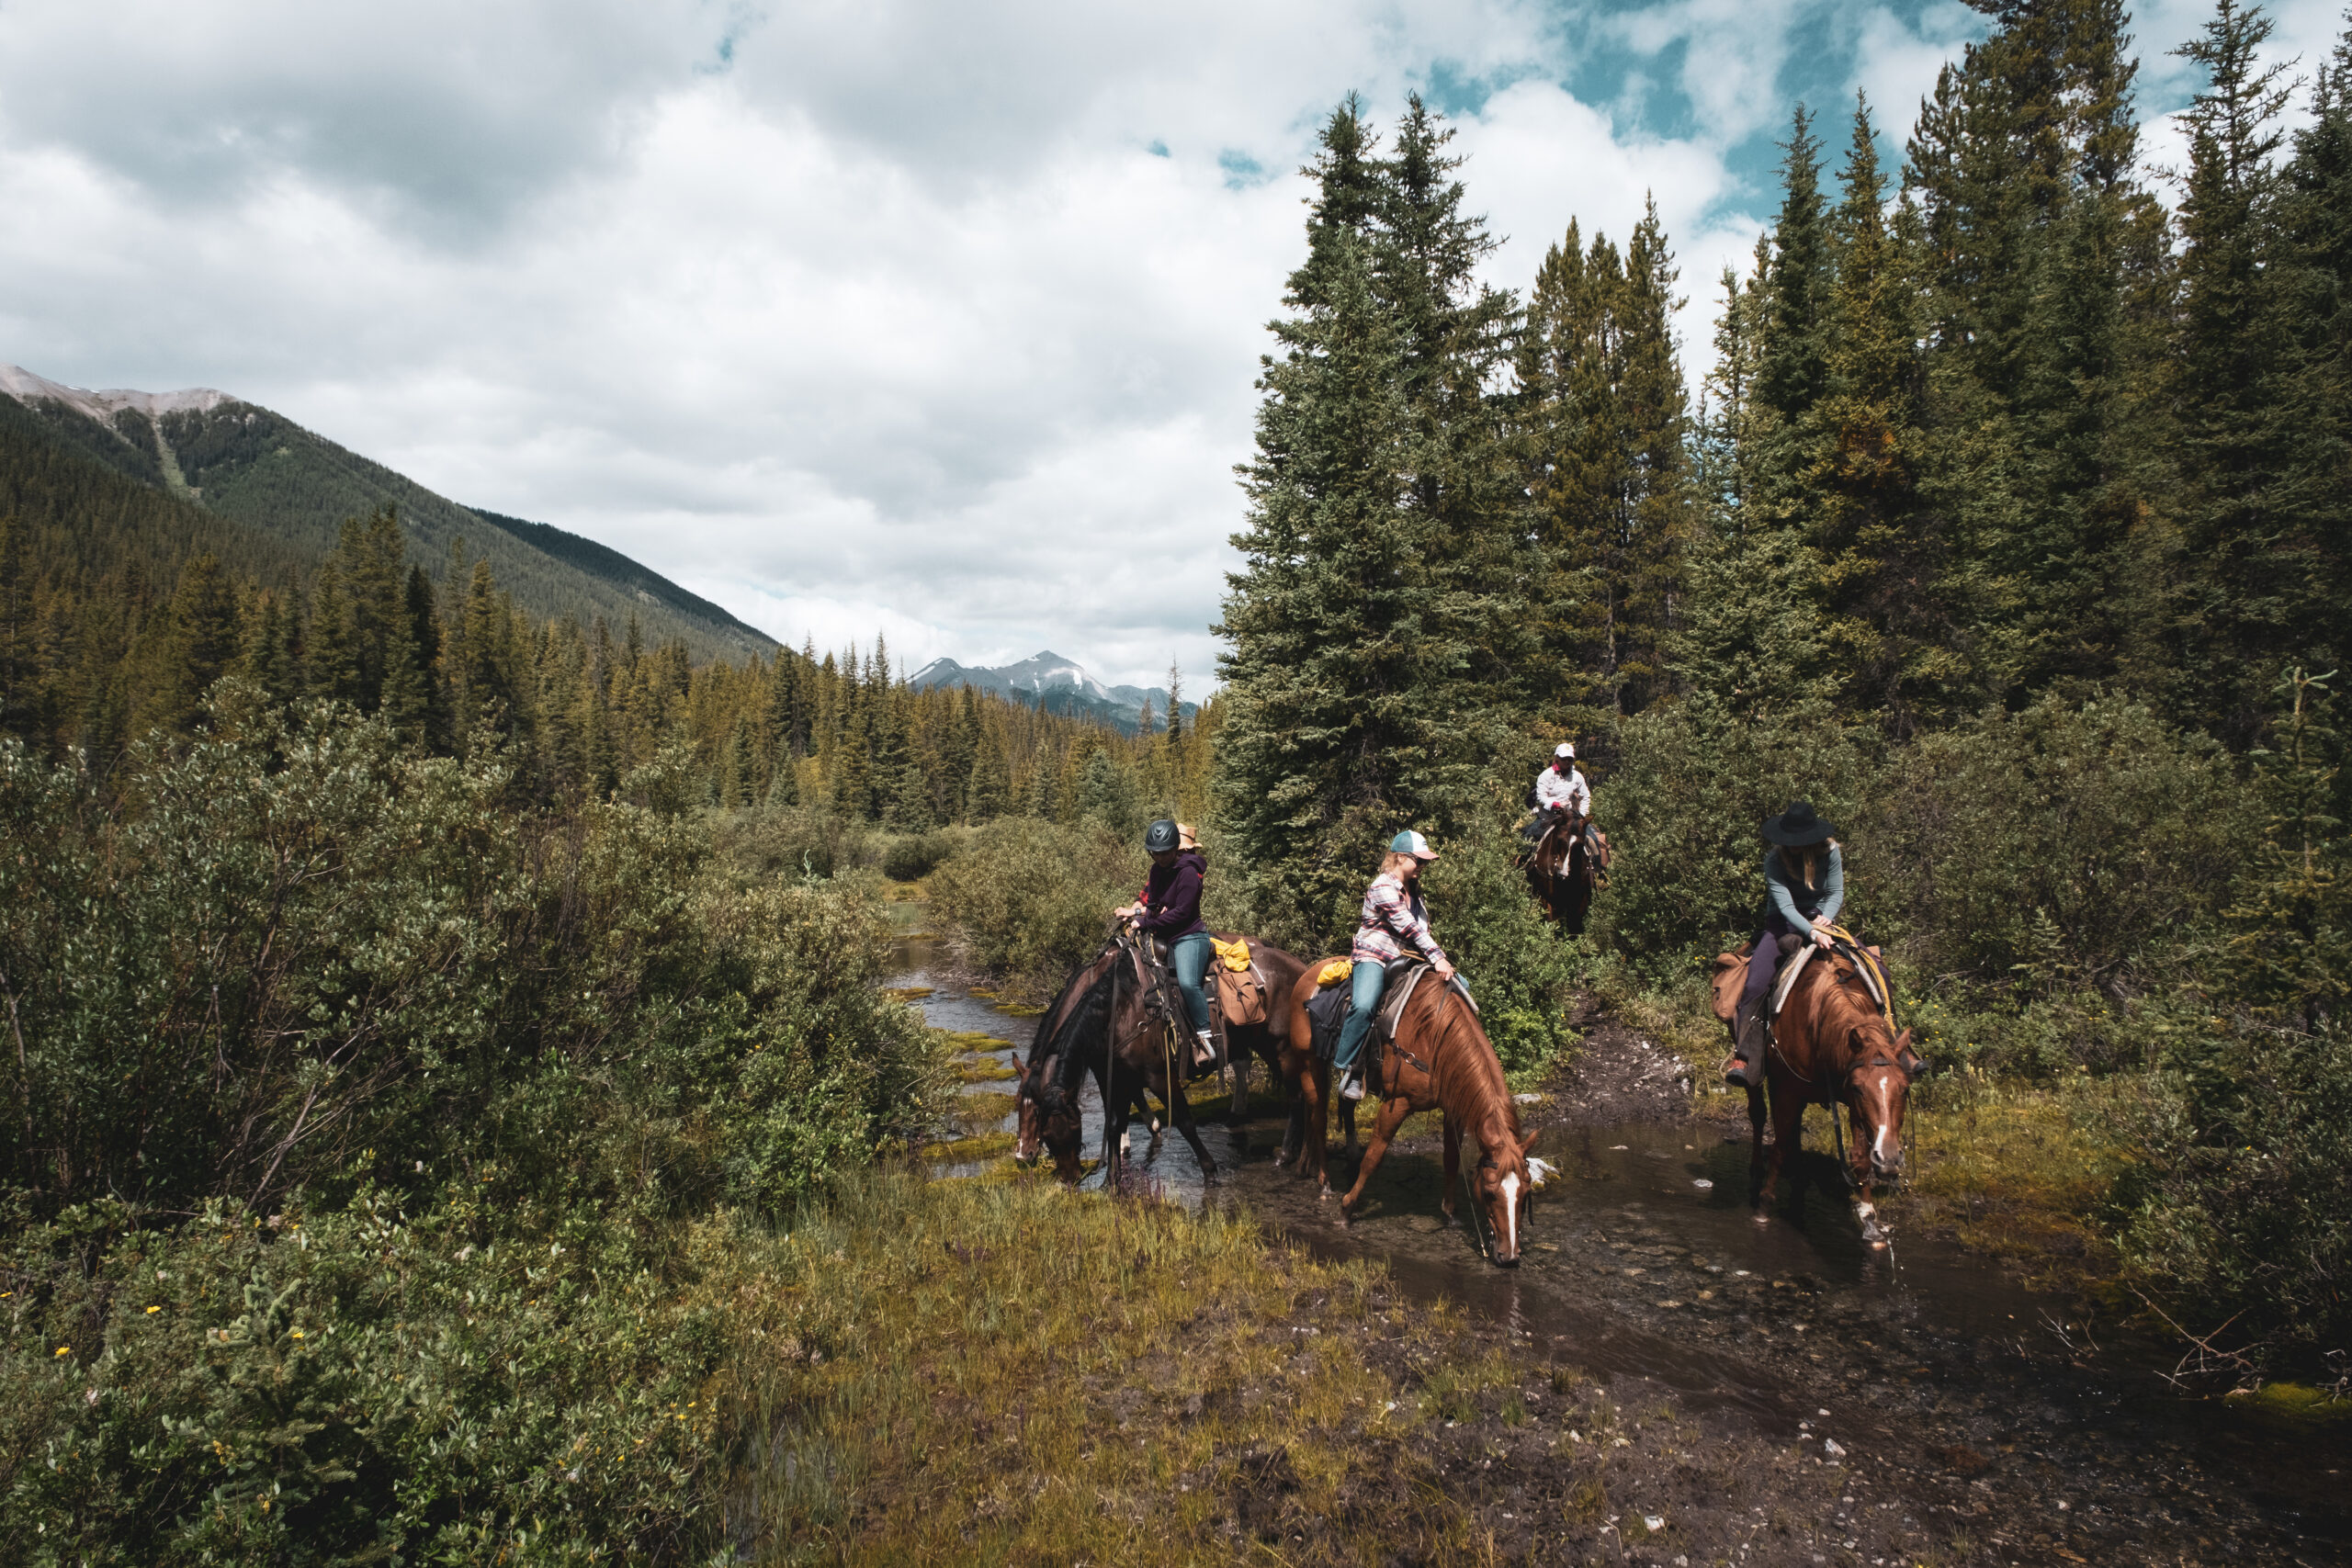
[360,1179]
[913,856]
[794,841]
[1028,899]
[345,1385]
[2237,1211]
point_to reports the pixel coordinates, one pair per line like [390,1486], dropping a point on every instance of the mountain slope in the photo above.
[258,468]
[1055,683]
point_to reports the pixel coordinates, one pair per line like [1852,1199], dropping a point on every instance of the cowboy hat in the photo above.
[1797,825]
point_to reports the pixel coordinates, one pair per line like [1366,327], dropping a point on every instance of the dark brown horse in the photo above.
[1111,1020]
[1441,1058]
[1563,873]
[1833,1044]
[1261,1041]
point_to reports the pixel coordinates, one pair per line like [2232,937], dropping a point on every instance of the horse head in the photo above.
[1503,1181]
[1880,1066]
[1045,1097]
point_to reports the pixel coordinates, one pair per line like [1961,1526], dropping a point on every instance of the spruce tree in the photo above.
[2247,570]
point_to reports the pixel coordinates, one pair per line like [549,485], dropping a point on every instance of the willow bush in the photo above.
[360,1120]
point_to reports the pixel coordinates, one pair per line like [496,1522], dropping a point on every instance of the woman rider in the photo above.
[1170,909]
[1394,915]
[1805,886]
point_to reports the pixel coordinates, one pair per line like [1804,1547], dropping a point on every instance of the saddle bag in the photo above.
[1241,998]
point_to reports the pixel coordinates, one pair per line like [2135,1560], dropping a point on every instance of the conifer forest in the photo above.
[459,1103]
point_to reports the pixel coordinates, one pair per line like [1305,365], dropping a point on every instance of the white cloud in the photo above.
[855,317]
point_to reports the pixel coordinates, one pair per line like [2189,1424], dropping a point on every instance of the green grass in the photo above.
[1001,1371]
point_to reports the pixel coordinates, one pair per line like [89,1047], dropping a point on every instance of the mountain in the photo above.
[1056,684]
[252,465]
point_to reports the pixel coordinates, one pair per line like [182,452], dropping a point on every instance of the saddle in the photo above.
[1795,953]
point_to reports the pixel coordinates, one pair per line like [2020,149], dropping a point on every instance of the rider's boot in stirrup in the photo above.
[1204,1052]
[1746,1067]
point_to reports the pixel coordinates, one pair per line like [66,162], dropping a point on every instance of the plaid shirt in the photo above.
[1392,918]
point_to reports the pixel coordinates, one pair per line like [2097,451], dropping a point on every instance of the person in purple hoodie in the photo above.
[1170,909]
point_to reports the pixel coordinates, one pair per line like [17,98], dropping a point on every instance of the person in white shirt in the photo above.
[1561,787]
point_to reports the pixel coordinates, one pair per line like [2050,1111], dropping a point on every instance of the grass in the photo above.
[1004,1373]
[2018,1172]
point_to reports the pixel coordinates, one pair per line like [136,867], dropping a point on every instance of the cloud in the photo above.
[922,317]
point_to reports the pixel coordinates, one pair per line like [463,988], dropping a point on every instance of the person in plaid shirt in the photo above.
[1394,920]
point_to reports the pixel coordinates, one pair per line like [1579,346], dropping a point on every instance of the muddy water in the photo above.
[1998,1409]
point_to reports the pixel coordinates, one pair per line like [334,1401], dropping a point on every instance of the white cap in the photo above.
[1564,749]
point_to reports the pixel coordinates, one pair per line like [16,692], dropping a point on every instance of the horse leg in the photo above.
[1383,1127]
[1788,1147]
[1237,1058]
[1314,1086]
[1181,1110]
[1755,1147]
[1453,1141]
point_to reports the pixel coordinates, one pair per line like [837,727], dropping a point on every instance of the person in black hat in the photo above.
[1805,886]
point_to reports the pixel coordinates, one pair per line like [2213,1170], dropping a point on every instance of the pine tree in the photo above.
[2241,603]
[1882,558]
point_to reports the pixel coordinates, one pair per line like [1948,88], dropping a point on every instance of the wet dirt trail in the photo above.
[1808,1398]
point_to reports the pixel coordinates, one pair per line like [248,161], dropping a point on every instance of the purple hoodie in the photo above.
[1171,899]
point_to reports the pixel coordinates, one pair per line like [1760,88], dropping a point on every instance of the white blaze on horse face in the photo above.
[1511,1213]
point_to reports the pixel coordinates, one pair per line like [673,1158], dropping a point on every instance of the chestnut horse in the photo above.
[1833,1044]
[1105,1018]
[1441,1058]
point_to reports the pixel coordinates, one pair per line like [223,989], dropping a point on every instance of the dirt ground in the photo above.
[1678,1409]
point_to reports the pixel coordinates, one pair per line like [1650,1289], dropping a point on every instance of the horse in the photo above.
[1832,1044]
[1442,1058]
[1262,1040]
[1109,1021]
[1563,871]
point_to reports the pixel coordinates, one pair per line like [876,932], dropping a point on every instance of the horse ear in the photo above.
[1527,1139]
[1020,1071]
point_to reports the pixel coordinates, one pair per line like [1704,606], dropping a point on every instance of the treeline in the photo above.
[100,645]
[1994,425]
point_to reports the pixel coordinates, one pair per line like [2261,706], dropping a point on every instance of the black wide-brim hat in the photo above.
[1797,825]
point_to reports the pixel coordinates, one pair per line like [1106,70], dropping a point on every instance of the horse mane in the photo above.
[1847,992]
[1064,1024]
[1485,1067]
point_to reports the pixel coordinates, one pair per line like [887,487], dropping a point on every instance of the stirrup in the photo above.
[1742,1074]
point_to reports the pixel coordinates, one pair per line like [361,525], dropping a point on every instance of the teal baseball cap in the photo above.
[1409,842]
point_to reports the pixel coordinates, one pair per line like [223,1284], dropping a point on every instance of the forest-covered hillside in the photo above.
[260,468]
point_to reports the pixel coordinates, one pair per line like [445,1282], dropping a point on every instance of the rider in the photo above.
[1805,886]
[1170,909]
[1394,915]
[1561,795]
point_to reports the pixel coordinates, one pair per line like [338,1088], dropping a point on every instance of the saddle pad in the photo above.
[1234,955]
[1788,978]
[1334,971]
[1326,1010]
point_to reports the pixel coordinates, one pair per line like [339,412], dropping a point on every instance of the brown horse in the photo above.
[1262,1042]
[1563,873]
[1833,1044]
[1111,1020]
[1441,1058]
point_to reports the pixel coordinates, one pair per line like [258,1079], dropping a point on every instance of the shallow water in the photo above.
[1639,1274]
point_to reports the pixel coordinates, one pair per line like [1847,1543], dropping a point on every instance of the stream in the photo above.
[1987,1404]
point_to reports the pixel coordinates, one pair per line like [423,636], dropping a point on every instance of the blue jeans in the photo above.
[1367,981]
[1189,956]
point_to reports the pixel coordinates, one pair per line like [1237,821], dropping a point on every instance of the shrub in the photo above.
[794,841]
[1027,900]
[2236,1214]
[913,856]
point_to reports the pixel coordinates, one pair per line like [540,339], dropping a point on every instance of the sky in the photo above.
[925,318]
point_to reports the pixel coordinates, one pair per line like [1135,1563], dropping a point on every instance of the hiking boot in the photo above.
[1352,1086]
[1746,1067]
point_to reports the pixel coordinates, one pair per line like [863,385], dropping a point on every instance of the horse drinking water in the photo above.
[1439,1057]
